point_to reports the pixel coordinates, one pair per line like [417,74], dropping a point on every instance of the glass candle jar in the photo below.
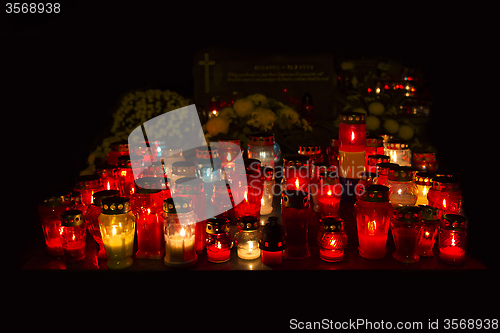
[405,226]
[272,242]
[107,172]
[248,198]
[446,195]
[247,238]
[399,153]
[261,147]
[146,206]
[228,151]
[125,176]
[266,206]
[208,167]
[374,146]
[424,161]
[180,229]
[91,218]
[118,149]
[50,210]
[329,199]
[323,175]
[313,152]
[332,238]
[194,188]
[76,197]
[73,235]
[428,232]
[169,157]
[367,178]
[373,213]
[423,180]
[296,172]
[383,172]
[221,200]
[296,215]
[219,241]
[117,224]
[373,160]
[402,190]
[452,238]
[352,132]
[88,185]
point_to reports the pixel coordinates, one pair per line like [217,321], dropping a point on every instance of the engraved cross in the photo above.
[206,63]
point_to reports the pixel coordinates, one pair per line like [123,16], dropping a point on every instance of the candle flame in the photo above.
[372,226]
[399,191]
[453,240]
[219,246]
[444,203]
[73,238]
[297,184]
[124,173]
[352,136]
[333,242]
[149,211]
[262,201]
[183,232]
[427,234]
[245,195]
[113,230]
[250,246]
[229,156]
[108,187]
[329,192]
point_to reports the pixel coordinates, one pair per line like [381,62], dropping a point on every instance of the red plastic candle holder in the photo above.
[383,172]
[446,195]
[329,199]
[88,185]
[219,241]
[50,210]
[424,161]
[373,160]
[373,213]
[125,176]
[452,238]
[405,226]
[72,231]
[248,198]
[312,151]
[367,179]
[352,132]
[374,146]
[296,215]
[332,151]
[228,151]
[332,238]
[107,172]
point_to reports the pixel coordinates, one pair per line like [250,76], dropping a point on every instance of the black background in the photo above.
[66,73]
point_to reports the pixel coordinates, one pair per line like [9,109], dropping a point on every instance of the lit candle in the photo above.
[452,238]
[219,241]
[248,251]
[272,242]
[247,237]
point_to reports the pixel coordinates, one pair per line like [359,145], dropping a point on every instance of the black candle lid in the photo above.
[272,238]
[453,222]
[71,218]
[429,213]
[294,199]
[177,205]
[189,185]
[217,225]
[408,214]
[86,181]
[352,118]
[375,193]
[99,196]
[331,224]
[246,223]
[124,162]
[56,200]
[261,139]
[115,205]
[401,173]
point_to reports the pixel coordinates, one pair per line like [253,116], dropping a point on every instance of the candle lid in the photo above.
[179,205]
[87,181]
[294,199]
[374,141]
[423,178]
[56,200]
[309,150]
[124,162]
[376,193]
[401,173]
[408,214]
[246,223]
[429,213]
[397,145]
[151,184]
[98,196]
[424,157]
[331,224]
[105,170]
[352,118]
[115,205]
[206,152]
[272,238]
[217,225]
[295,160]
[71,218]
[454,222]
[155,169]
[375,159]
[261,139]
[121,146]
[445,184]
[189,185]
[184,168]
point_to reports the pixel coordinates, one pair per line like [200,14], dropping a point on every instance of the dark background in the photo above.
[65,75]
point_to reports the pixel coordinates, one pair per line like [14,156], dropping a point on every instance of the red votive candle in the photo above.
[125,176]
[219,241]
[73,234]
[107,172]
[296,215]
[446,195]
[428,232]
[272,242]
[88,185]
[332,239]
[373,212]
[405,226]
[452,238]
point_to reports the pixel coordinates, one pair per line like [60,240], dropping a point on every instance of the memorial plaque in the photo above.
[231,74]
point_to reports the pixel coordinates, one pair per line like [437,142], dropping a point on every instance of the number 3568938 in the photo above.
[32,7]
